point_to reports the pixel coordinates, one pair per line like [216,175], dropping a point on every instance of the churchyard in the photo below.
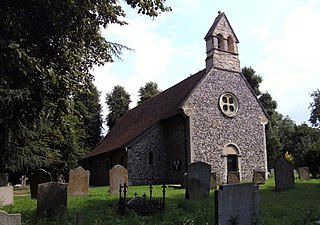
[295,206]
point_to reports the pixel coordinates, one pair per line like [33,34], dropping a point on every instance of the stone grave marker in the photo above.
[271,172]
[79,182]
[6,195]
[213,180]
[198,171]
[184,181]
[23,180]
[117,175]
[237,204]
[4,177]
[259,177]
[284,178]
[9,219]
[38,177]
[233,177]
[304,173]
[52,199]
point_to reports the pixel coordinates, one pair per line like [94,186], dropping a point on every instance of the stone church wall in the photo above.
[167,143]
[212,130]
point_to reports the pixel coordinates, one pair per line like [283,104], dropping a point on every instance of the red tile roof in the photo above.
[139,119]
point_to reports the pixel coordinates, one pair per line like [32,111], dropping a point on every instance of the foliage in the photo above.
[101,208]
[253,79]
[47,49]
[315,109]
[118,101]
[149,90]
[288,157]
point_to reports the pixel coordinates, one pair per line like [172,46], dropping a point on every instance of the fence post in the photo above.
[150,192]
[163,196]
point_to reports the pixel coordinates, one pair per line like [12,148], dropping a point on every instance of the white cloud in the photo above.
[291,66]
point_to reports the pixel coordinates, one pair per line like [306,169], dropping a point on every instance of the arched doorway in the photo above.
[232,163]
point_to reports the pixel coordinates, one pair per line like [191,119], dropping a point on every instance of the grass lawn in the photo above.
[298,206]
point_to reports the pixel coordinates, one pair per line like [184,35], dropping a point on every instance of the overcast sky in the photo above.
[279,39]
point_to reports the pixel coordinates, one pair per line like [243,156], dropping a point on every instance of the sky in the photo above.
[278,39]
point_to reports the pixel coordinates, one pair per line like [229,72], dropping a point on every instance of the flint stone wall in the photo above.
[211,130]
[166,141]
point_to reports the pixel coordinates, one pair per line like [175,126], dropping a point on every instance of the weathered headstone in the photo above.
[198,171]
[4,177]
[304,173]
[23,180]
[284,178]
[52,199]
[213,180]
[38,177]
[271,172]
[6,195]
[259,177]
[117,175]
[237,204]
[233,177]
[9,219]
[184,181]
[79,182]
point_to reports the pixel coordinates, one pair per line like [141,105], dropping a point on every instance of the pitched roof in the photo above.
[139,119]
[215,23]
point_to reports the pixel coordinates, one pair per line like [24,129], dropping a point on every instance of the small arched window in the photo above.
[220,42]
[230,44]
[150,158]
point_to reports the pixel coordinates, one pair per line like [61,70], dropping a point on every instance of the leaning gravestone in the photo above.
[23,181]
[304,173]
[6,195]
[117,175]
[4,177]
[52,199]
[233,177]
[198,171]
[259,177]
[79,182]
[284,178]
[9,219]
[237,204]
[38,177]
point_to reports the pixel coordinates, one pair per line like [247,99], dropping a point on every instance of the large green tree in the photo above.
[253,79]
[118,101]
[149,90]
[47,49]
[315,109]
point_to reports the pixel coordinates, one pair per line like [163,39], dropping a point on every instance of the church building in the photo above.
[212,116]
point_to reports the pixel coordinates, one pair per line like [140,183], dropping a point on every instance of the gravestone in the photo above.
[117,175]
[271,172]
[184,181]
[4,177]
[38,177]
[237,204]
[233,177]
[198,171]
[79,182]
[259,177]
[23,180]
[6,195]
[213,180]
[304,173]
[52,199]
[284,178]
[9,219]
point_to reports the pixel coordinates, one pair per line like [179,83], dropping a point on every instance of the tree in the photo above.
[89,109]
[253,79]
[315,109]
[118,104]
[47,49]
[149,90]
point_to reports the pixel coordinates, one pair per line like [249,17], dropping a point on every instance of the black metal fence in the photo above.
[143,205]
